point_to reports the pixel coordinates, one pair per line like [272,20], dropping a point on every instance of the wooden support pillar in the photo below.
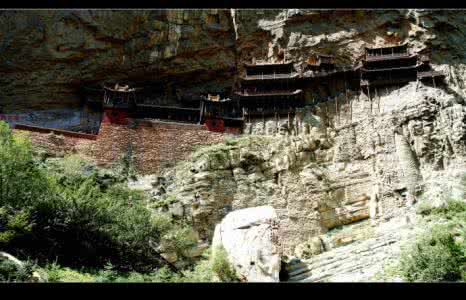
[202,112]
[351,110]
[276,122]
[369,94]
[326,115]
[263,123]
[337,116]
[378,100]
[433,81]
[296,125]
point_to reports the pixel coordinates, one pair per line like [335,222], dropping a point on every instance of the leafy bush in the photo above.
[22,184]
[12,272]
[454,208]
[63,211]
[424,208]
[108,274]
[221,266]
[202,272]
[436,256]
[21,181]
[13,223]
[213,267]
[55,273]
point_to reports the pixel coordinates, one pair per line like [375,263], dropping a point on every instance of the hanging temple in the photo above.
[266,89]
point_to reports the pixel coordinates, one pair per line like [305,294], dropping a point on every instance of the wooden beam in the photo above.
[202,112]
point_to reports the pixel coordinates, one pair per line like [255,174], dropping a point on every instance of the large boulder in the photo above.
[249,239]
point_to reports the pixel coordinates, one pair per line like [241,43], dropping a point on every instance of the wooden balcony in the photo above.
[175,113]
[270,76]
[407,68]
[386,81]
[262,64]
[372,58]
[325,73]
[268,111]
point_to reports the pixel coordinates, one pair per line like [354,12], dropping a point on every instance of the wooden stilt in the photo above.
[337,116]
[370,100]
[433,80]
[326,115]
[296,125]
[378,100]
[346,97]
[351,111]
[263,123]
[277,122]
[202,112]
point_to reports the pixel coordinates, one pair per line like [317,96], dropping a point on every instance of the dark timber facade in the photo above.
[119,102]
[269,89]
[393,66]
[219,113]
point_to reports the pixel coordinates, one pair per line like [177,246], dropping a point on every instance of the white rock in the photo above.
[246,235]
[12,258]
